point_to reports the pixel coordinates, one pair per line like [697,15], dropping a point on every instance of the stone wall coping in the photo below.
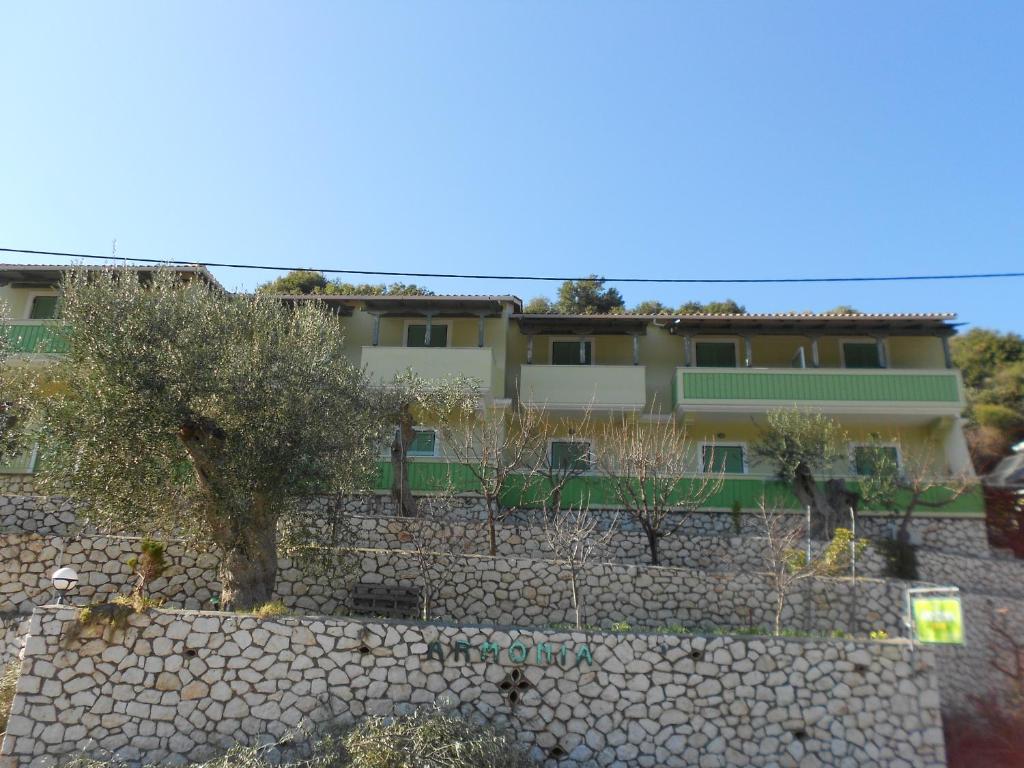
[68,613]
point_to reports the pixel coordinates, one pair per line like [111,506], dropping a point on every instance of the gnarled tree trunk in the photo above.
[400,489]
[827,505]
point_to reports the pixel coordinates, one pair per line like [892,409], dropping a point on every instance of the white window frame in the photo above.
[577,339]
[35,295]
[730,444]
[717,340]
[844,340]
[386,447]
[588,440]
[437,444]
[433,324]
[877,444]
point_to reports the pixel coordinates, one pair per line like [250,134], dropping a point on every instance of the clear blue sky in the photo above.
[636,138]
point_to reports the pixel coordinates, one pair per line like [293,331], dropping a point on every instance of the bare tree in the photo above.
[788,565]
[652,470]
[576,537]
[499,453]
[921,481]
[1007,653]
[550,474]
[437,540]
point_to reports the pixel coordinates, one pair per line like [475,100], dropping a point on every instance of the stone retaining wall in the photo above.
[21,510]
[13,628]
[188,685]
[471,588]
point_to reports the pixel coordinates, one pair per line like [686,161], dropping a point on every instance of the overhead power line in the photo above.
[549,278]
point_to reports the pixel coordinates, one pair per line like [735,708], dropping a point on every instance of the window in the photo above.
[416,335]
[569,353]
[861,354]
[43,308]
[424,444]
[866,458]
[574,455]
[729,459]
[716,354]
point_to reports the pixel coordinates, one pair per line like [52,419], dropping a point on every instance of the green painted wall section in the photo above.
[743,385]
[35,338]
[435,476]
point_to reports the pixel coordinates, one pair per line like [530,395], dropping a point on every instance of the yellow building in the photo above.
[887,376]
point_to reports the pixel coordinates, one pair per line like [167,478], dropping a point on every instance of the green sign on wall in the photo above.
[936,615]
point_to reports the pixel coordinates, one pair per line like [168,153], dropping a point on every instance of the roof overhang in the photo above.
[812,325]
[435,306]
[49,275]
[582,325]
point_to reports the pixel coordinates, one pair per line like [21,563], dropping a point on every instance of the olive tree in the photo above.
[411,399]
[802,446]
[184,411]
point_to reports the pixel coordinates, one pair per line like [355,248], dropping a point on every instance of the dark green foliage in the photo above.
[900,559]
[980,353]
[303,282]
[589,297]
[651,307]
[726,307]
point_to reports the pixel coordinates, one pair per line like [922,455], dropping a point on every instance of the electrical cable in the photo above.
[535,278]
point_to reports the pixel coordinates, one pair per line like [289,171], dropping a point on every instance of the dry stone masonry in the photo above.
[185,686]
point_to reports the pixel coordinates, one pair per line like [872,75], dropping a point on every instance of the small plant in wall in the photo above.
[147,566]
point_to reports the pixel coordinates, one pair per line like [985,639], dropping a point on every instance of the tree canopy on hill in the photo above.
[306,282]
[992,365]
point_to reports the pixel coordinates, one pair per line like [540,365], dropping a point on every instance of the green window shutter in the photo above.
[416,335]
[724,458]
[43,308]
[566,455]
[861,354]
[867,457]
[568,353]
[424,443]
[716,354]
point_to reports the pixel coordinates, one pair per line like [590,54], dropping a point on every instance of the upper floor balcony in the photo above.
[578,387]
[34,337]
[384,363]
[877,391]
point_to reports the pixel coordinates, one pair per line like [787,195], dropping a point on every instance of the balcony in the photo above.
[34,337]
[383,363]
[576,387]
[900,391]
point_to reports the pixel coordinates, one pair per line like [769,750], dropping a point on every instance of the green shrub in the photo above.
[431,739]
[8,682]
[737,517]
[995,415]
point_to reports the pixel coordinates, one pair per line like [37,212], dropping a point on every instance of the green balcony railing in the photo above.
[787,385]
[35,338]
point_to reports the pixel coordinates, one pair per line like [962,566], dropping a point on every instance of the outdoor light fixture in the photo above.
[64,579]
